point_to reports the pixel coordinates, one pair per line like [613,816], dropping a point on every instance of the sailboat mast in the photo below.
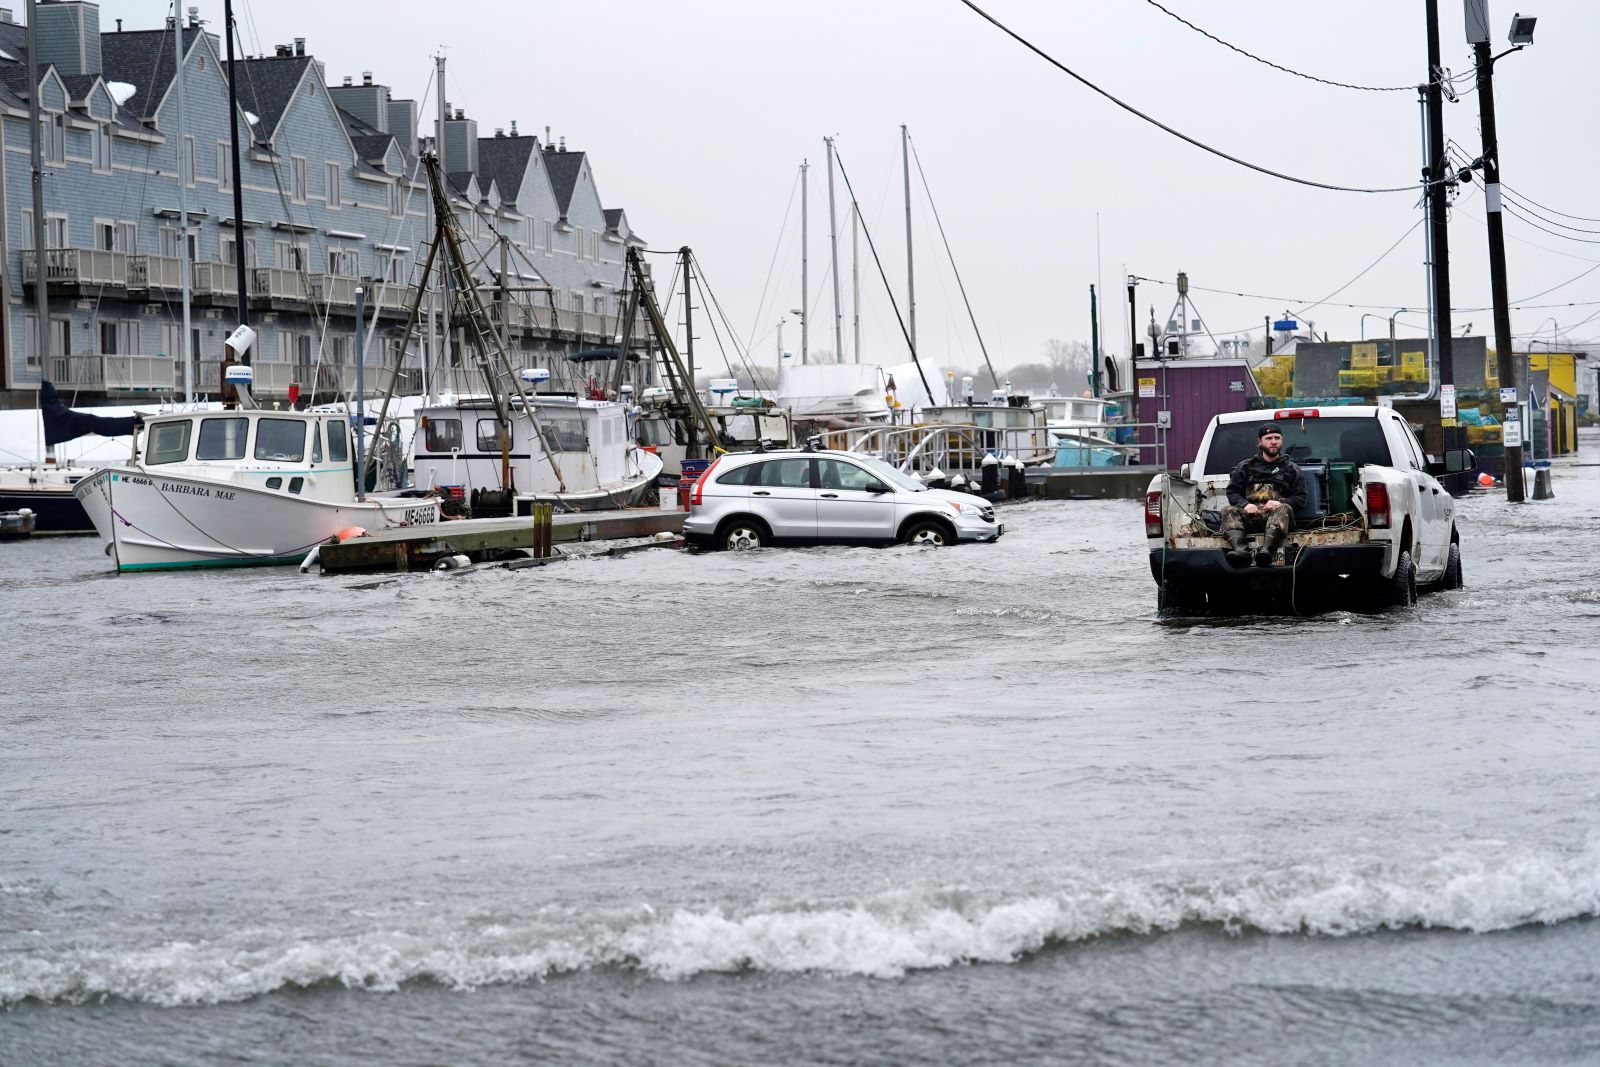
[911,284]
[238,179]
[805,274]
[183,202]
[833,245]
[855,278]
[41,299]
[430,348]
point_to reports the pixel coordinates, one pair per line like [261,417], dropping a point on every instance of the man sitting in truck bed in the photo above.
[1263,494]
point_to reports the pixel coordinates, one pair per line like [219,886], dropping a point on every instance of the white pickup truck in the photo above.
[1376,523]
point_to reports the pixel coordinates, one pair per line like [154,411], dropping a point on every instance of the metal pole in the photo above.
[911,284]
[41,298]
[688,314]
[805,274]
[1440,222]
[445,365]
[183,202]
[238,176]
[361,394]
[1094,342]
[833,244]
[1505,358]
[1428,263]
[855,279]
[1133,363]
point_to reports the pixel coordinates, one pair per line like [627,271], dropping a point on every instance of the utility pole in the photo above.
[228,31]
[1133,361]
[1478,34]
[445,363]
[1439,222]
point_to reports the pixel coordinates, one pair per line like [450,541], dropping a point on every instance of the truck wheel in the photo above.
[1452,569]
[1400,590]
[1175,600]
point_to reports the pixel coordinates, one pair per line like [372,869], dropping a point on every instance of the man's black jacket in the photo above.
[1288,484]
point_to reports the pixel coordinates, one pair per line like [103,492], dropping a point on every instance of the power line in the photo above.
[1278,66]
[1258,168]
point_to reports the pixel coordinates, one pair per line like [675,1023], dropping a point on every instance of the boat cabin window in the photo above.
[563,431]
[1086,411]
[275,482]
[296,484]
[338,445]
[316,442]
[444,435]
[281,440]
[169,442]
[488,435]
[222,438]
[653,432]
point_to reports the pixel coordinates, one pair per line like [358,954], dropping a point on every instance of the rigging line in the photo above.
[708,293]
[1036,50]
[1276,66]
[952,256]
[873,247]
[776,249]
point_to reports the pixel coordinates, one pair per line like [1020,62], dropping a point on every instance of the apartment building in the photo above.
[334,199]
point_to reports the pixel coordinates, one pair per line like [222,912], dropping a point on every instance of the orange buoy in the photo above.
[350,532]
[1486,480]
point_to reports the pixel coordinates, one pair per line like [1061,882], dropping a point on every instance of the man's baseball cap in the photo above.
[1267,428]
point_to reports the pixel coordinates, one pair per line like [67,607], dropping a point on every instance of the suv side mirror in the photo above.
[877,487]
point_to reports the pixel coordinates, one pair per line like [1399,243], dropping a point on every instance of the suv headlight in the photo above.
[962,508]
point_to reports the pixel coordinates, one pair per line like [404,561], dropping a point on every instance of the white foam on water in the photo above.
[1479,890]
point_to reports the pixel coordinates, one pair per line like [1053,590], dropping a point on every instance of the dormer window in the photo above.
[53,138]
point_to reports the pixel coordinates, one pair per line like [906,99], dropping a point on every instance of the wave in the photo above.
[884,937]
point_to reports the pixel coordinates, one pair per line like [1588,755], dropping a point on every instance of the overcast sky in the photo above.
[697,114]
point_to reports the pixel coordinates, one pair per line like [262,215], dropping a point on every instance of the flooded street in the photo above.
[826,805]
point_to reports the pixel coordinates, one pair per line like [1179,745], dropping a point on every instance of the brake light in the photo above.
[1152,515]
[700,483]
[1296,413]
[1378,505]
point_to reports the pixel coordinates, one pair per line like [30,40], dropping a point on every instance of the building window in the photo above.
[128,334]
[390,267]
[127,238]
[230,249]
[397,199]
[171,340]
[189,159]
[224,164]
[100,147]
[31,341]
[169,242]
[55,231]
[344,262]
[334,196]
[53,138]
[105,235]
[108,338]
[298,179]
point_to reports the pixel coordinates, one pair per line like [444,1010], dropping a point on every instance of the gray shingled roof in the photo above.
[613,217]
[143,59]
[564,168]
[504,161]
[371,148]
[266,86]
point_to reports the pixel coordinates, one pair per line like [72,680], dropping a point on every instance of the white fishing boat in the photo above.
[577,453]
[237,489]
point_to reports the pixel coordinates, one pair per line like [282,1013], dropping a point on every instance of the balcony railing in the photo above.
[333,290]
[116,374]
[155,272]
[272,379]
[76,266]
[390,296]
[277,283]
[216,279]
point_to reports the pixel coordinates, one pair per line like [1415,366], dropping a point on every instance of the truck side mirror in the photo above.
[1457,460]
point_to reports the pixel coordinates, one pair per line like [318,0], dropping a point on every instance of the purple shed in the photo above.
[1192,391]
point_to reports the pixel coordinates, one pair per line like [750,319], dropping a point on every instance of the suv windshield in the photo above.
[1357,440]
[898,479]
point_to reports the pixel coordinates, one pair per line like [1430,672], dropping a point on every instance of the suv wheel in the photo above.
[741,535]
[928,533]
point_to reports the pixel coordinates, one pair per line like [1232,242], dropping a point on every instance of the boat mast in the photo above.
[41,299]
[911,285]
[238,181]
[855,279]
[833,244]
[444,362]
[183,202]
[805,276]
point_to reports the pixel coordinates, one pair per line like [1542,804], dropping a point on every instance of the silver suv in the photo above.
[752,499]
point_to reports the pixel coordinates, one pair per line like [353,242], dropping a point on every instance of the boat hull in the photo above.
[55,509]
[174,522]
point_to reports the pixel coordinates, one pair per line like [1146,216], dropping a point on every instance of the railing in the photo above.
[76,266]
[332,289]
[272,379]
[77,370]
[277,283]
[390,296]
[140,373]
[155,272]
[949,446]
[216,279]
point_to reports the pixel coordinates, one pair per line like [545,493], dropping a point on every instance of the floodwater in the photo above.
[970,805]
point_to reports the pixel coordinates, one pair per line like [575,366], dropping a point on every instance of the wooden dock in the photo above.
[419,548]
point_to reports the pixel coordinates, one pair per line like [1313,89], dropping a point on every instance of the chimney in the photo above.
[366,77]
[9,19]
[69,36]
[563,147]
[299,46]
[5,16]
[194,18]
[547,137]
[499,131]
[513,127]
[461,114]
[349,80]
[283,51]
